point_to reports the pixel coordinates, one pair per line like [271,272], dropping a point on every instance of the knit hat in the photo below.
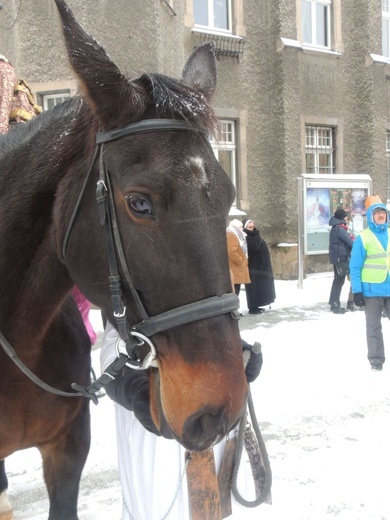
[248,221]
[341,214]
[236,223]
[372,199]
[379,208]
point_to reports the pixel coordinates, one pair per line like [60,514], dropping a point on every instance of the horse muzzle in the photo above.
[196,411]
[206,428]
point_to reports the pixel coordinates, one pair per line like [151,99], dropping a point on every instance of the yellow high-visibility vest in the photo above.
[377,263]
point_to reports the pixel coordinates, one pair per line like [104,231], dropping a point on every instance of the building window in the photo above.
[388,164]
[320,149]
[213,14]
[316,16]
[225,149]
[386,28]
[49,100]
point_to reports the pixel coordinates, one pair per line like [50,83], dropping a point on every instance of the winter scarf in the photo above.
[235,227]
[347,229]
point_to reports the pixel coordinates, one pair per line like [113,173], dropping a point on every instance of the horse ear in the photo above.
[200,70]
[101,81]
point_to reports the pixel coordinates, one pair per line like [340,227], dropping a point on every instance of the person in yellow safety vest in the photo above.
[370,278]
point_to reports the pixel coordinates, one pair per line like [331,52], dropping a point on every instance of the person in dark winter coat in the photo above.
[340,246]
[261,290]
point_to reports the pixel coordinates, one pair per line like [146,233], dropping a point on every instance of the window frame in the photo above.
[230,146]
[386,22]
[211,26]
[44,97]
[313,22]
[318,149]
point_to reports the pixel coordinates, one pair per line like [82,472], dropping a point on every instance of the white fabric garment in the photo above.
[152,468]
[235,227]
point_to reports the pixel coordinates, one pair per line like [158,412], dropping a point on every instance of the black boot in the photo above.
[256,310]
[336,309]
[350,306]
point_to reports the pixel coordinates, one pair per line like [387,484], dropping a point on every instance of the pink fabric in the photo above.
[84,307]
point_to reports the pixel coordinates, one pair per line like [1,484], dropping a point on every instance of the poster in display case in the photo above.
[319,196]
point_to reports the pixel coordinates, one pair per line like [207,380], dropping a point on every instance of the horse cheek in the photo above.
[168,402]
[188,389]
[179,398]
[155,403]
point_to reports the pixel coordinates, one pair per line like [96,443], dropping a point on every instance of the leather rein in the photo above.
[136,335]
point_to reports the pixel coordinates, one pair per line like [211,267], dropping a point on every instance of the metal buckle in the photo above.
[149,359]
[101,183]
[120,314]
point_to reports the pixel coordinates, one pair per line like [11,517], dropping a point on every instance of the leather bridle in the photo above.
[138,334]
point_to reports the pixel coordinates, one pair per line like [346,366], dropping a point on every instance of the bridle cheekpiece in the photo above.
[137,335]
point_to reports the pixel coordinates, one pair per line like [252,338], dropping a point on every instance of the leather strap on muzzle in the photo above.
[208,308]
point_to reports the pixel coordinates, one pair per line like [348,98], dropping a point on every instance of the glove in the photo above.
[255,361]
[131,389]
[358,299]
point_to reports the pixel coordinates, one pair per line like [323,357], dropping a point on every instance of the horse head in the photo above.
[171,200]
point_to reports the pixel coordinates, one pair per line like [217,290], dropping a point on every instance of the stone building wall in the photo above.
[272,91]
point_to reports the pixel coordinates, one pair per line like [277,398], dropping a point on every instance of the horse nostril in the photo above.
[203,429]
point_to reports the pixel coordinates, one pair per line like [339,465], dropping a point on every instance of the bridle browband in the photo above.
[145,126]
[136,335]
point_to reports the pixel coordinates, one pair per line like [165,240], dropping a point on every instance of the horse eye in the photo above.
[139,205]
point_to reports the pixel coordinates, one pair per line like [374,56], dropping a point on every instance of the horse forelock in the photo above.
[173,99]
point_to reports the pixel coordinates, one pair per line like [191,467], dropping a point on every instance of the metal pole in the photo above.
[300,233]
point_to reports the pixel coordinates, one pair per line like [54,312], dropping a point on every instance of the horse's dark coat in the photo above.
[176,255]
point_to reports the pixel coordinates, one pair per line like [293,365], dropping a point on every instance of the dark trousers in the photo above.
[337,285]
[237,288]
[373,309]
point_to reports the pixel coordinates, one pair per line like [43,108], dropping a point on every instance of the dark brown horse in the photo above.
[168,204]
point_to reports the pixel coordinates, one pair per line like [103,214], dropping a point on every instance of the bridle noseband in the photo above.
[136,335]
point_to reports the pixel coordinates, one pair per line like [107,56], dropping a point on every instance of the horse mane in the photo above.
[20,135]
[175,100]
[166,96]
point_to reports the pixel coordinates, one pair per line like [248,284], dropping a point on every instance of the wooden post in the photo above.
[202,481]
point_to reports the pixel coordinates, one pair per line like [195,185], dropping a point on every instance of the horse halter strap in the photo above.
[136,335]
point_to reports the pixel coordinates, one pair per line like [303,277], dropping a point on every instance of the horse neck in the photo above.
[35,281]
[45,285]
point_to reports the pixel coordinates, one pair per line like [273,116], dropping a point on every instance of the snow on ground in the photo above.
[325,417]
